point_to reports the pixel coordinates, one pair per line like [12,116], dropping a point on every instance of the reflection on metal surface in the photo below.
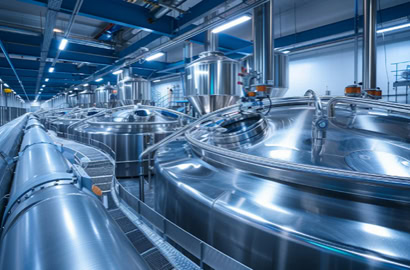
[129,132]
[212,82]
[304,195]
[53,221]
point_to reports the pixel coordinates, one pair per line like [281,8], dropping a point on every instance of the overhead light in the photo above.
[154,56]
[397,27]
[47,79]
[99,79]
[286,52]
[41,89]
[56,30]
[51,70]
[76,88]
[43,85]
[231,24]
[117,72]
[6,85]
[63,44]
[86,84]
[156,81]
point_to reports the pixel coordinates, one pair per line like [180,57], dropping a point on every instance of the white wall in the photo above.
[332,68]
[162,88]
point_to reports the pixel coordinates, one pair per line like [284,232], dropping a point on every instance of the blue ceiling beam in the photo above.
[140,43]
[117,12]
[197,11]
[6,55]
[28,80]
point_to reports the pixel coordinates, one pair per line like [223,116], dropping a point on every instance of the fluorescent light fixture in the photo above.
[41,89]
[76,88]
[231,24]
[154,56]
[397,27]
[156,81]
[286,52]
[58,30]
[117,72]
[63,44]
[86,84]
[47,79]
[99,80]
[51,70]
[6,85]
[43,85]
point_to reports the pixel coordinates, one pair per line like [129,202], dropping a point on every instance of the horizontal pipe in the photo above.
[10,138]
[52,221]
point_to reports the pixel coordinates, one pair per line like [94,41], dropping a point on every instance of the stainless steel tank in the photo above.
[106,96]
[86,98]
[129,132]
[60,124]
[298,185]
[280,76]
[134,90]
[212,82]
[72,100]
[53,220]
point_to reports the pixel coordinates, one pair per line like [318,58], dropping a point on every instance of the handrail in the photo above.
[331,106]
[174,135]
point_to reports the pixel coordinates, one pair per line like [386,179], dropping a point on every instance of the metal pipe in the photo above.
[10,138]
[356,40]
[52,206]
[369,44]
[12,67]
[138,55]
[263,31]
[211,41]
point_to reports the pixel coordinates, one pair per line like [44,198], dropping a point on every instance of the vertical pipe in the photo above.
[356,40]
[263,39]
[211,41]
[187,53]
[369,44]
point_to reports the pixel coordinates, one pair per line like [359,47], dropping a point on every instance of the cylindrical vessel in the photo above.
[212,82]
[134,90]
[105,96]
[52,223]
[10,138]
[72,100]
[86,98]
[129,132]
[280,77]
[295,187]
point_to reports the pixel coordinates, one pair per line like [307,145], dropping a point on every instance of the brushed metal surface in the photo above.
[57,225]
[288,200]
[212,82]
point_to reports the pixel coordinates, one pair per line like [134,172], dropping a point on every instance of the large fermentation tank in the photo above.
[280,76]
[60,124]
[296,186]
[129,131]
[134,90]
[86,98]
[105,96]
[72,100]
[53,220]
[212,82]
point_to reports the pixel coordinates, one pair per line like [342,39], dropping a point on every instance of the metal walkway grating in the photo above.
[141,243]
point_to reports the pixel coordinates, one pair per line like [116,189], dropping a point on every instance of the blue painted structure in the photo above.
[26,47]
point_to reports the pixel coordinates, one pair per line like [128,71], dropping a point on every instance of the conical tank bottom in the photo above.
[209,103]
